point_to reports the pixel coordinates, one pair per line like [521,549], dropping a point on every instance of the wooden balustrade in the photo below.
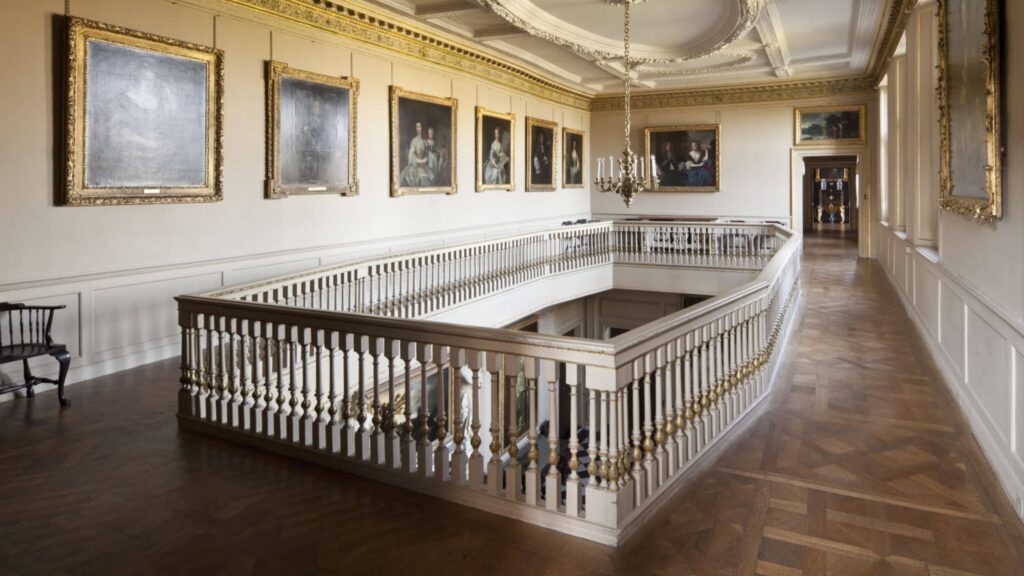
[436,407]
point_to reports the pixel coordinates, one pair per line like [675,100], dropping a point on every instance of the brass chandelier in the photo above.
[630,179]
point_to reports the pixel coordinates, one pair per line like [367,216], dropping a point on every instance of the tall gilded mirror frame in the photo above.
[970,108]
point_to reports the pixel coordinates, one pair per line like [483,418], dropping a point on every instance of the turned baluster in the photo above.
[513,478]
[281,427]
[614,421]
[573,494]
[650,464]
[624,443]
[409,454]
[362,433]
[392,442]
[251,380]
[679,416]
[604,470]
[270,379]
[477,364]
[496,370]
[592,465]
[636,455]
[459,457]
[425,355]
[532,367]
[376,432]
[552,482]
[332,427]
[441,454]
[663,427]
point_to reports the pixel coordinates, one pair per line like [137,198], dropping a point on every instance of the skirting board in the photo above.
[1012,485]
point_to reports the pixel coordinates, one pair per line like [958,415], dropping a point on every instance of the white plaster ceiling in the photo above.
[676,44]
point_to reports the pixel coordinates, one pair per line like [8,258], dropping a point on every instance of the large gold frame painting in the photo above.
[311,133]
[144,117]
[689,158]
[423,143]
[970,108]
[495,150]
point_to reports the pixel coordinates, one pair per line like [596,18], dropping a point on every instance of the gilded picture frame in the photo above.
[143,118]
[317,115]
[689,158]
[541,155]
[970,109]
[421,164]
[495,153]
[574,157]
[830,125]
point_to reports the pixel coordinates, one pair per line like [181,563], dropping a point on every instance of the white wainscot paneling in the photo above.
[900,266]
[988,375]
[951,327]
[1015,408]
[134,315]
[926,296]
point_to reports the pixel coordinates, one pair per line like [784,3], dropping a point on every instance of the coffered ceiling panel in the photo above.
[676,44]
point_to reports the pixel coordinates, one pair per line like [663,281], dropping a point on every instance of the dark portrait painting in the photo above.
[146,118]
[830,125]
[494,150]
[422,143]
[143,120]
[541,145]
[312,148]
[686,157]
[572,158]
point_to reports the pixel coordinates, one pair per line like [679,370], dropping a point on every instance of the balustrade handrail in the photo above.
[296,362]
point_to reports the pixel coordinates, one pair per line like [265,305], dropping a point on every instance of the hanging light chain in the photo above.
[628,32]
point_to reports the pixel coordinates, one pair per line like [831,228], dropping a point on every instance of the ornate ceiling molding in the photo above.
[525,15]
[377,29]
[738,94]
[889,39]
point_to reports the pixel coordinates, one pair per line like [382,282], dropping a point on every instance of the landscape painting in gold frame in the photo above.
[495,150]
[311,133]
[970,108]
[143,118]
[423,151]
[830,125]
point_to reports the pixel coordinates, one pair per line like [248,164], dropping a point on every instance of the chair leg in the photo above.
[64,359]
[29,381]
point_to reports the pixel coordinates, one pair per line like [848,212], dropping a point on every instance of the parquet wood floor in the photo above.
[861,464]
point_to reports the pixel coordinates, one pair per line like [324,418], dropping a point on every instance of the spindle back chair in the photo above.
[25,334]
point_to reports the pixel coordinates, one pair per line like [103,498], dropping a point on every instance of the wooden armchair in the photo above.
[25,334]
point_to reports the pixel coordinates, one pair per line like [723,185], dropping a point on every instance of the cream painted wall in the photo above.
[967,298]
[761,169]
[118,268]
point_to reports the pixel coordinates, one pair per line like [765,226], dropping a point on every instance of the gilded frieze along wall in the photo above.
[378,30]
[737,95]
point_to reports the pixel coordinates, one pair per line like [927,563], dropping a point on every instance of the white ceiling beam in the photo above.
[773,36]
[448,10]
[497,32]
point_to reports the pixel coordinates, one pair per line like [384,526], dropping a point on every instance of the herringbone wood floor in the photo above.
[860,465]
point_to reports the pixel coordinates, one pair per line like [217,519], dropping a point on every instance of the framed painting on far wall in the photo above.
[687,157]
[423,158]
[143,121]
[311,138]
[495,150]
[573,158]
[541,161]
[831,125]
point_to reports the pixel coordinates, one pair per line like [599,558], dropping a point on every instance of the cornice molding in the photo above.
[377,29]
[737,94]
[386,31]
[896,23]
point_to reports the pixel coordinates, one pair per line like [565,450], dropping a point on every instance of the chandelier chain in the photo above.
[625,62]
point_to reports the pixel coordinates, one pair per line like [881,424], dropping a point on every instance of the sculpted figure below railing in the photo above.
[578,435]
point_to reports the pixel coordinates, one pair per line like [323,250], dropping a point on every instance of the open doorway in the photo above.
[830,196]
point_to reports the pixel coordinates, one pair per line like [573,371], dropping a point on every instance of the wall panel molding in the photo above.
[977,350]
